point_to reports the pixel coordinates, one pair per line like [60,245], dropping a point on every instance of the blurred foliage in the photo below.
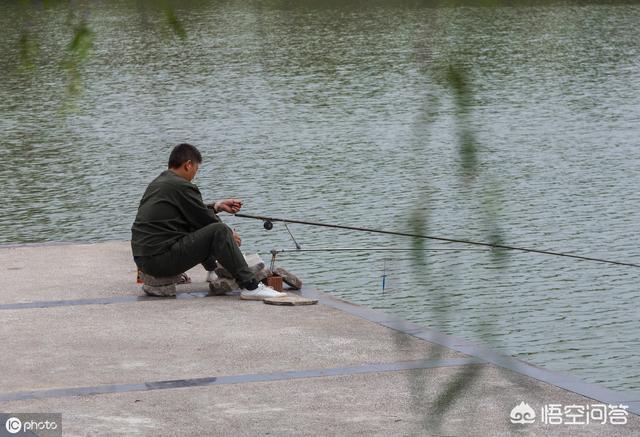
[78,51]
[174,23]
[455,79]
[29,49]
[82,41]
[418,222]
[82,35]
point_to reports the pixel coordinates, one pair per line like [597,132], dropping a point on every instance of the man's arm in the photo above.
[227,205]
[231,206]
[194,208]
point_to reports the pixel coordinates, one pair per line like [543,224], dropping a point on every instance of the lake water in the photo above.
[337,112]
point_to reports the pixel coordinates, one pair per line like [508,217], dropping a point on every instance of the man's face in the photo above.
[191,168]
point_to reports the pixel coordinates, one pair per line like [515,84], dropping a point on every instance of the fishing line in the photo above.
[268,224]
[375,249]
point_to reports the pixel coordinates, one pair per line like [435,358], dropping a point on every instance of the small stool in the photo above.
[160,286]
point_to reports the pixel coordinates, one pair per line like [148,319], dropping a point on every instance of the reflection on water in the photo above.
[317,113]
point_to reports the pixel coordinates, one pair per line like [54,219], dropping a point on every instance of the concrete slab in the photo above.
[113,364]
[393,403]
[53,272]
[173,339]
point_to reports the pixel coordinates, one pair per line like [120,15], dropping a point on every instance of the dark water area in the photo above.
[339,113]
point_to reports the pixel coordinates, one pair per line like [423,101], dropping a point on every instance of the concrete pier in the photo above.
[79,338]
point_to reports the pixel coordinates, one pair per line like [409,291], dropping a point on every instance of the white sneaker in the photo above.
[260,293]
[253,259]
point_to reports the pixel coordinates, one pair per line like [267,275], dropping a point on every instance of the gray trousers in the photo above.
[205,246]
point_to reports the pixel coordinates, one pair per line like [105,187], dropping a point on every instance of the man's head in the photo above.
[185,160]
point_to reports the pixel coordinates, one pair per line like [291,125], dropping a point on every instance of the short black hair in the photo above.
[182,153]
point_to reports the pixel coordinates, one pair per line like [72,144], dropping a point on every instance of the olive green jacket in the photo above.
[170,208]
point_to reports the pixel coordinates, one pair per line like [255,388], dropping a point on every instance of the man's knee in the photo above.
[218,229]
[218,234]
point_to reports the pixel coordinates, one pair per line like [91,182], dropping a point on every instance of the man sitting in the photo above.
[174,231]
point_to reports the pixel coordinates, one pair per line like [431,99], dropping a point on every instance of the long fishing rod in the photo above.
[268,224]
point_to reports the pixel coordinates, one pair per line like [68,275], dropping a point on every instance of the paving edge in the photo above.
[90,242]
[238,379]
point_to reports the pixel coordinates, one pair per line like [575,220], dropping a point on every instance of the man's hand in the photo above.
[236,238]
[228,205]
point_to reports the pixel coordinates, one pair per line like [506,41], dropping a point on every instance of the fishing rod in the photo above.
[268,225]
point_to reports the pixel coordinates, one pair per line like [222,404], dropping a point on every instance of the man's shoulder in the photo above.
[169,178]
[170,183]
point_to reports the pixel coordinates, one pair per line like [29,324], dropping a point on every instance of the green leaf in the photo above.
[174,23]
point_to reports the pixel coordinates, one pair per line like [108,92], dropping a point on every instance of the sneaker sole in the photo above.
[253,297]
[258,297]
